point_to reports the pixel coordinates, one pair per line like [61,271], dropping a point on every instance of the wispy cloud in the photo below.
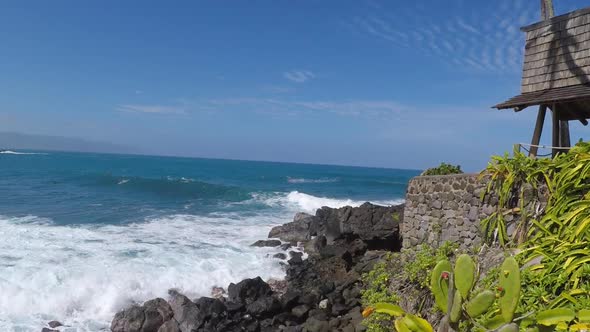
[369,108]
[299,76]
[153,109]
[475,40]
[275,89]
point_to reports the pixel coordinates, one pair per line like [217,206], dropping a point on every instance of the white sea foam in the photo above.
[21,153]
[297,201]
[83,275]
[304,180]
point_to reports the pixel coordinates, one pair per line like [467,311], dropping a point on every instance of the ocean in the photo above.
[84,235]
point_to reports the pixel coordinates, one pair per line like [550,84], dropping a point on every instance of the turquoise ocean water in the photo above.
[84,235]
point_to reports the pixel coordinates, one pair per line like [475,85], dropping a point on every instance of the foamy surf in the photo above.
[82,276]
[21,153]
[301,202]
[304,180]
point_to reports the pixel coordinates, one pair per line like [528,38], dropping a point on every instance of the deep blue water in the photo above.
[79,188]
[86,234]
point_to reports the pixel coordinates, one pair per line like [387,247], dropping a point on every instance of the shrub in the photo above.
[443,169]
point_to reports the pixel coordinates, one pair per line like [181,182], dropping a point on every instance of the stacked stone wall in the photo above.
[445,208]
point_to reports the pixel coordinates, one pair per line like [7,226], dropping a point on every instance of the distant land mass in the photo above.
[21,141]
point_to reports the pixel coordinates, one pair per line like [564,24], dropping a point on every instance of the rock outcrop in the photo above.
[322,292]
[377,226]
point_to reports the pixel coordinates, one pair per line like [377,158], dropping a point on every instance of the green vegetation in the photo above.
[443,169]
[410,283]
[509,179]
[555,239]
[417,269]
[377,284]
[466,310]
[543,218]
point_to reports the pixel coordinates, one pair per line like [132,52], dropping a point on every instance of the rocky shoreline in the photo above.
[319,293]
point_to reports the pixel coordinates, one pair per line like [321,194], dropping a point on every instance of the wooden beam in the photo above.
[556,127]
[538,131]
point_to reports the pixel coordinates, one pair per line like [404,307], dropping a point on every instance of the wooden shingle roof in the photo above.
[557,52]
[556,67]
[550,96]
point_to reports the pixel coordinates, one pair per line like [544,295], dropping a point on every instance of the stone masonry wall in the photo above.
[445,208]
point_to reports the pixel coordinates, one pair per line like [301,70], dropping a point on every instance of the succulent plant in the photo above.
[464,274]
[509,287]
[439,283]
[452,290]
[480,303]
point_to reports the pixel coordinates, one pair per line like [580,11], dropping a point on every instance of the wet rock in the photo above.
[295,258]
[128,320]
[316,325]
[53,324]
[300,311]
[234,306]
[280,255]
[248,290]
[266,243]
[314,246]
[211,308]
[170,326]
[264,307]
[290,299]
[48,330]
[375,225]
[186,312]
[278,286]
[217,292]
[298,230]
[156,311]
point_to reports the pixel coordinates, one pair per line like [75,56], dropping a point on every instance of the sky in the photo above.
[402,84]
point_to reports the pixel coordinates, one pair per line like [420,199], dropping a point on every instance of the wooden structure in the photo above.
[556,74]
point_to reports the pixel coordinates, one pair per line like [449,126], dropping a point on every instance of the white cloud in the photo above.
[344,108]
[467,27]
[153,109]
[299,76]
[451,38]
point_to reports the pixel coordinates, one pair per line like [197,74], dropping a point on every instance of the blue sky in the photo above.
[403,84]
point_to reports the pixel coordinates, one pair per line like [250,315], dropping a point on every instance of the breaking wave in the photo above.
[82,276]
[21,153]
[304,180]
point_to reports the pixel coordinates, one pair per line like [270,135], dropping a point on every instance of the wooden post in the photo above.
[564,132]
[547,12]
[538,130]
[556,126]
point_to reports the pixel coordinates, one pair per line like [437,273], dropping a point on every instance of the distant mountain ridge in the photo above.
[21,141]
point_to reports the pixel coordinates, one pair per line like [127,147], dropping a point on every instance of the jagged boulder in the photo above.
[300,229]
[248,290]
[378,226]
[147,318]
[186,313]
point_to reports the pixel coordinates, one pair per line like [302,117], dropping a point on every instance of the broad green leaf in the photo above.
[555,316]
